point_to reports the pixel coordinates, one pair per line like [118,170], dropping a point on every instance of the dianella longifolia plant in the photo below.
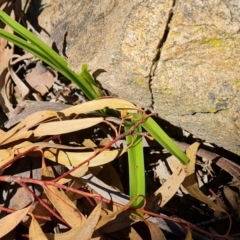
[29,42]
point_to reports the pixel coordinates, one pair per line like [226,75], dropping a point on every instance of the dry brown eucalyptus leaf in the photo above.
[21,131]
[67,158]
[61,127]
[22,88]
[12,220]
[65,236]
[155,232]
[41,78]
[190,182]
[98,104]
[35,231]
[88,227]
[64,206]
[170,187]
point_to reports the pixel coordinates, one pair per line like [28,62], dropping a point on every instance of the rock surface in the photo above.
[197,80]
[119,37]
[179,57]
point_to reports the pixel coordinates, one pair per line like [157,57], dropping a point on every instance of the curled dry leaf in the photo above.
[28,107]
[21,86]
[21,131]
[107,216]
[35,231]
[61,127]
[155,232]
[170,187]
[65,236]
[79,172]
[98,104]
[121,220]
[67,158]
[26,145]
[36,118]
[41,78]
[83,231]
[12,220]
[6,155]
[64,206]
[190,182]
[115,221]
[21,89]
[87,229]
[18,136]
[224,163]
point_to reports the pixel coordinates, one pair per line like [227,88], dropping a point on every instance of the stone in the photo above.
[196,83]
[179,58]
[117,37]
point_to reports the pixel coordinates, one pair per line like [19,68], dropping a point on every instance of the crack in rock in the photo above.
[158,54]
[207,112]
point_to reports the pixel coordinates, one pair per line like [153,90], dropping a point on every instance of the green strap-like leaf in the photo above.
[161,137]
[136,167]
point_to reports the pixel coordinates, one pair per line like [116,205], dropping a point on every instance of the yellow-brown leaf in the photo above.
[64,206]
[35,231]
[67,158]
[12,220]
[170,187]
[98,104]
[61,127]
[190,182]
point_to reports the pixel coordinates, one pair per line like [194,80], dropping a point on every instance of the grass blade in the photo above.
[161,137]
[136,166]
